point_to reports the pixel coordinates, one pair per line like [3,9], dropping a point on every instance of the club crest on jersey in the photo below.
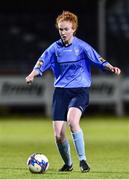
[76,51]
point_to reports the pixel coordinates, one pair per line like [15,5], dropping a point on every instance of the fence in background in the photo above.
[15,92]
[105,90]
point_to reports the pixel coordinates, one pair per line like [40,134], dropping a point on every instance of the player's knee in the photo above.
[59,138]
[73,125]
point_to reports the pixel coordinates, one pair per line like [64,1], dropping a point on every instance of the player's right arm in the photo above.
[35,72]
[43,64]
[31,76]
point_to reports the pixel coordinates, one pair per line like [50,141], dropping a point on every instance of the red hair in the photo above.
[68,16]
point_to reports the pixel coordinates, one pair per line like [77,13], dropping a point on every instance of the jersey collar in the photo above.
[61,43]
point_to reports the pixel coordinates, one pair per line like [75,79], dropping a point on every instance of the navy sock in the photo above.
[64,149]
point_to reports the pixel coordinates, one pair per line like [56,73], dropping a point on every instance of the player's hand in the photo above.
[116,70]
[29,79]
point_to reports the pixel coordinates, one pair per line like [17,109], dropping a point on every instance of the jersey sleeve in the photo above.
[44,62]
[95,58]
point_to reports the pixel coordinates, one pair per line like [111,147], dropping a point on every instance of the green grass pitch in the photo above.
[107,148]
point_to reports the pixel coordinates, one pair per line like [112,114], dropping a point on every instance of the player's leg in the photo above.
[74,115]
[77,105]
[62,144]
[59,116]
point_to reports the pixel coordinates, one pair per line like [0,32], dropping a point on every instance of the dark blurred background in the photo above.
[27,28]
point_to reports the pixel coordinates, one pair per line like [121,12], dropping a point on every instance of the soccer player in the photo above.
[70,59]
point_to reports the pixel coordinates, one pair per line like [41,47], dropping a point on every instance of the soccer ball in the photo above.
[38,163]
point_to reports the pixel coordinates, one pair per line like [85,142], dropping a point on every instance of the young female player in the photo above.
[70,59]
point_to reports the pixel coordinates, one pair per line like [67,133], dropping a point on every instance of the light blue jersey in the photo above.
[70,64]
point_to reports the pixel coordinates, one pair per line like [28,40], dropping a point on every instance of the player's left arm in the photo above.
[99,61]
[113,69]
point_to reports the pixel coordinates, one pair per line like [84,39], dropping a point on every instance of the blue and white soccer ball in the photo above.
[38,163]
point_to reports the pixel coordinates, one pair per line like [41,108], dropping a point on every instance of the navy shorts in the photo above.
[64,98]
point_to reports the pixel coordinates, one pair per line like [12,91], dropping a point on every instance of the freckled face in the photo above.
[66,31]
